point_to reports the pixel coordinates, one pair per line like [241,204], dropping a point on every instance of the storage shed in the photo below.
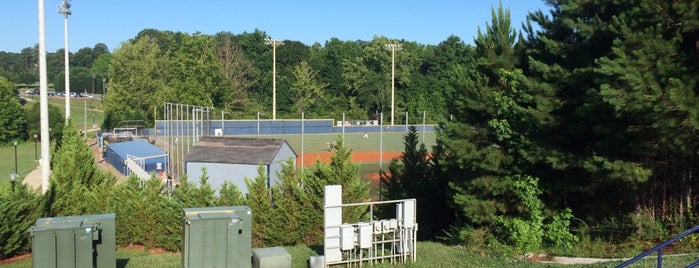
[145,155]
[233,159]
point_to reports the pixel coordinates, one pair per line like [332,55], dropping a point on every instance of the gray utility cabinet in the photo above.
[74,241]
[217,237]
[275,257]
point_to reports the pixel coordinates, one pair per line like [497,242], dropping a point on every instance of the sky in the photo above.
[309,21]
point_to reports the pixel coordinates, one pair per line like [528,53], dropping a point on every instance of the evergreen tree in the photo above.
[342,171]
[625,72]
[264,220]
[76,185]
[13,122]
[412,177]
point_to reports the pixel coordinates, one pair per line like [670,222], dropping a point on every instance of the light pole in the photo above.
[13,177]
[43,103]
[36,156]
[223,127]
[64,9]
[274,43]
[85,114]
[393,48]
[15,143]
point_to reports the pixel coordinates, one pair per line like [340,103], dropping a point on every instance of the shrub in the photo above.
[18,211]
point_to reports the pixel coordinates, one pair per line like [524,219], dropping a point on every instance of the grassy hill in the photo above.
[429,254]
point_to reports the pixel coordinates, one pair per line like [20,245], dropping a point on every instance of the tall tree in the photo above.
[625,72]
[195,74]
[76,185]
[138,80]
[238,71]
[306,88]
[413,176]
[13,123]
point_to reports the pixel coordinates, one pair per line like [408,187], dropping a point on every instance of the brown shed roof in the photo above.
[235,150]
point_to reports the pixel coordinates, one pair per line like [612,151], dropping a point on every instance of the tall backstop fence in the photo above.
[180,129]
[183,125]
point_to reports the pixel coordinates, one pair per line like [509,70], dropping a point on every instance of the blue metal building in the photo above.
[147,156]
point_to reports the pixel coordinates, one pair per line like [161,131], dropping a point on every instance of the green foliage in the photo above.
[557,232]
[412,176]
[18,211]
[76,185]
[260,201]
[230,195]
[56,122]
[306,88]
[137,85]
[525,230]
[13,122]
[342,171]
[145,215]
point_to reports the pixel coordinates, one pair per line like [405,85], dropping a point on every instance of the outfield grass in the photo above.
[77,109]
[389,141]
[429,254]
[25,159]
[25,149]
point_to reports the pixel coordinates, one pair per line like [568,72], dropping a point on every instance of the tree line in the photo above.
[587,116]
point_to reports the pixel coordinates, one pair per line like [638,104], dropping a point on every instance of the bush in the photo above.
[18,211]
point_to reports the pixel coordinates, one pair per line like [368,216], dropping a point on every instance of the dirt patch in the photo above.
[357,157]
[16,259]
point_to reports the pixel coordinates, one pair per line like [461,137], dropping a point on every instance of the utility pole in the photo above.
[64,9]
[43,104]
[274,43]
[393,48]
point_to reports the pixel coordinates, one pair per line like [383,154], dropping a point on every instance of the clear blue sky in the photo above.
[113,22]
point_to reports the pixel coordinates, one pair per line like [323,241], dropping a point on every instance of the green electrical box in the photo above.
[217,237]
[275,257]
[74,241]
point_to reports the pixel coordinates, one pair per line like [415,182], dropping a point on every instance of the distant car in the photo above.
[51,93]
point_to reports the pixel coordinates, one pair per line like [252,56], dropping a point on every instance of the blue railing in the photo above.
[659,250]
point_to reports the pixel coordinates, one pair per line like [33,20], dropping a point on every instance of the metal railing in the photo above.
[659,250]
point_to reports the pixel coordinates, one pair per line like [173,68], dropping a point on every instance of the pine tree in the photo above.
[342,171]
[76,185]
[264,220]
[13,122]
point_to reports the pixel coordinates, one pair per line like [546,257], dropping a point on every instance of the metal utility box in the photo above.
[74,241]
[217,237]
[275,257]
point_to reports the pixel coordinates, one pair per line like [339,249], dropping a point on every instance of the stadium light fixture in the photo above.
[64,9]
[274,43]
[393,48]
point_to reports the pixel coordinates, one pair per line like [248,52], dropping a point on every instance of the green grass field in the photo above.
[429,254]
[390,141]
[25,149]
[77,109]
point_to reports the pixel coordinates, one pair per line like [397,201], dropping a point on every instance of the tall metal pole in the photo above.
[274,43]
[258,124]
[36,155]
[393,48]
[43,103]
[302,149]
[380,152]
[64,9]
[85,115]
[423,127]
[15,143]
